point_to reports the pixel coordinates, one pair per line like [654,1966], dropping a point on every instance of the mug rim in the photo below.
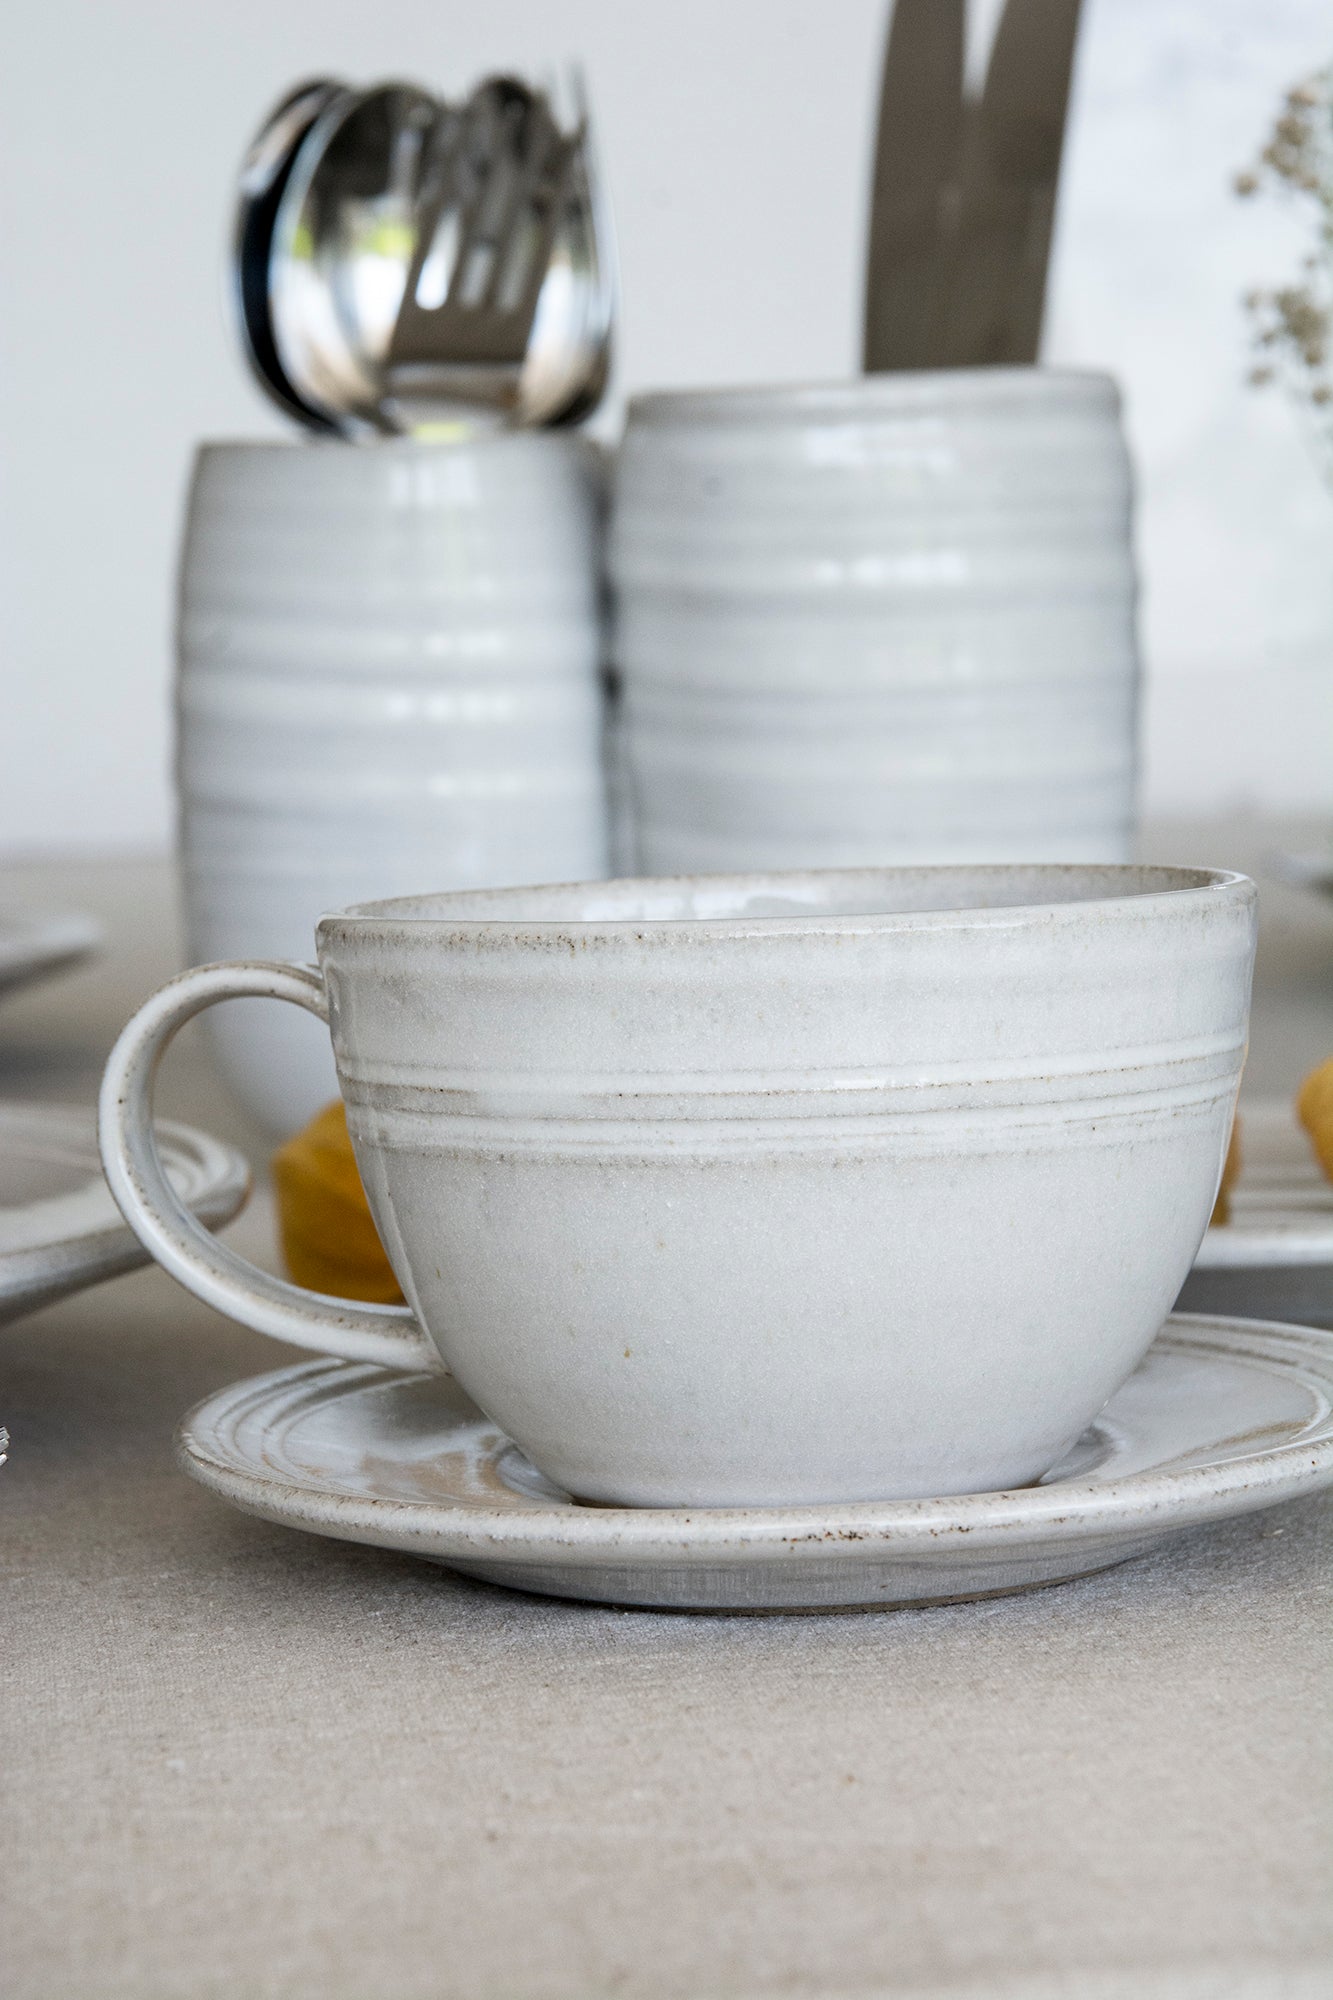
[1167,889]
[378,449]
[906,392]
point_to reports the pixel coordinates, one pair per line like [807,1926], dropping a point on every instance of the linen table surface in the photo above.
[242,1761]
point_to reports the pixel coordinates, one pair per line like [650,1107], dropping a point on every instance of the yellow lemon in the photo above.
[1314,1108]
[329,1241]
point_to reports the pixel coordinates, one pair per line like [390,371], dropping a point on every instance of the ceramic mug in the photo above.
[881,621]
[389,663]
[759,1189]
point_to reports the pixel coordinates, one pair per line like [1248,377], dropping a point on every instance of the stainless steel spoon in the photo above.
[264,174]
[424,262]
[343,236]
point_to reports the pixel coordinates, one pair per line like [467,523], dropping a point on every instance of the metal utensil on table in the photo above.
[964,189]
[264,175]
[916,151]
[421,260]
[505,304]
[343,235]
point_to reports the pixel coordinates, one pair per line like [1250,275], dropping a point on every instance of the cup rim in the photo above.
[904,392]
[507,913]
[380,449]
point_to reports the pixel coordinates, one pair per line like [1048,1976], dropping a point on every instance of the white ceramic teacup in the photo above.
[773,1188]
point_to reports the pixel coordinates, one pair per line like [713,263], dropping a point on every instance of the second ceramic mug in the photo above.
[389,666]
[889,620]
[759,1189]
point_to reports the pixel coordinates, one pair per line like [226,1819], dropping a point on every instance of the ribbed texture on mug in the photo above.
[892,621]
[389,681]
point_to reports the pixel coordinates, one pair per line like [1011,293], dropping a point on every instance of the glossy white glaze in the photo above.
[389,661]
[1223,1417]
[768,1188]
[890,621]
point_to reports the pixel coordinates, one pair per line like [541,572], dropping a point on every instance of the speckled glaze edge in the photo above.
[886,1553]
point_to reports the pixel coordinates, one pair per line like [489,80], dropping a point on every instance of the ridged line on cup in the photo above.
[789,1123]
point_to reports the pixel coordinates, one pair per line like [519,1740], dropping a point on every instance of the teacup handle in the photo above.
[389,1335]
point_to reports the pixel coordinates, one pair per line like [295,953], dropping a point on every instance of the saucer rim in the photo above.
[37,943]
[1149,1503]
[36,1274]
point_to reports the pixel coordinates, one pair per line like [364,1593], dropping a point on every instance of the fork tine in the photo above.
[456,180]
[434,188]
[534,216]
[513,194]
[509,200]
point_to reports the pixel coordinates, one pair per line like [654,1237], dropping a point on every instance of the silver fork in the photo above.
[500,179]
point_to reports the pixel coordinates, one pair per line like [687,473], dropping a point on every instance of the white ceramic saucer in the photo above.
[1282,1205]
[1223,1417]
[31,946]
[60,1228]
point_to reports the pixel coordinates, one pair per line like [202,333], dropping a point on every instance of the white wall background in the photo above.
[737,136]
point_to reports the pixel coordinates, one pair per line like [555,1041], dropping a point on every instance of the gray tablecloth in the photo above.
[237,1760]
